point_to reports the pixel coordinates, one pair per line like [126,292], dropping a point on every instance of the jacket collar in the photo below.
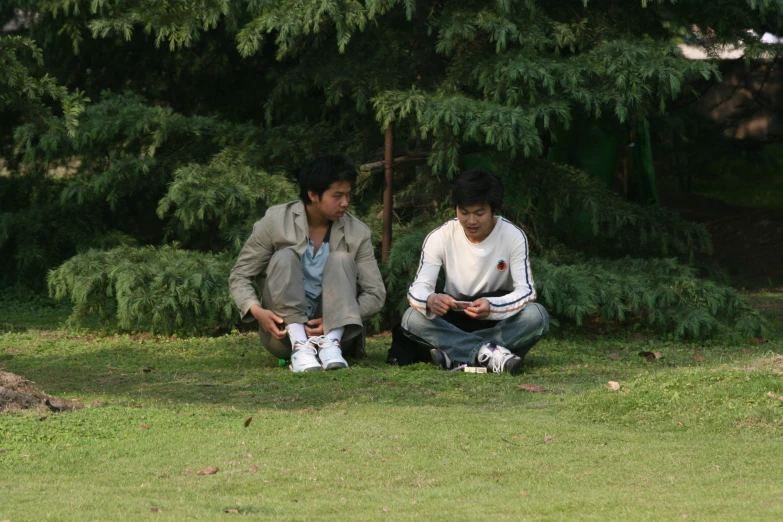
[338,232]
[300,218]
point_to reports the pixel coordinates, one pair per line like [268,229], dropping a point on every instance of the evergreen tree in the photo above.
[229,97]
[28,202]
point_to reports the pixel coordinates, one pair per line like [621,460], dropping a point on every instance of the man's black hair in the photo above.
[476,186]
[324,170]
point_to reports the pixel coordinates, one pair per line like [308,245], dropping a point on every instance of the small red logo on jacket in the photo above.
[502,265]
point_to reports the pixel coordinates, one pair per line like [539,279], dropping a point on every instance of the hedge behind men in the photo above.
[486,314]
[315,266]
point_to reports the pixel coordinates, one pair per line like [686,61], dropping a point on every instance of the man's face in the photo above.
[333,203]
[476,221]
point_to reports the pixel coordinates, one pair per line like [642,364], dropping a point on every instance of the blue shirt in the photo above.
[313,265]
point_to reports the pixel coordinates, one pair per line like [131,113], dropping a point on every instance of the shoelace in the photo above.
[497,360]
[304,346]
[322,341]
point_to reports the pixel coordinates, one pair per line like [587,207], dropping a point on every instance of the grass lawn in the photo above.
[696,434]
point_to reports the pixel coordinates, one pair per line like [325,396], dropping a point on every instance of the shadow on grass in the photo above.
[235,372]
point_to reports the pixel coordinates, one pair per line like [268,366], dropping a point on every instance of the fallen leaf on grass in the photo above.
[614,385]
[680,423]
[385,510]
[523,492]
[145,426]
[232,510]
[698,358]
[208,471]
[253,469]
[774,396]
[247,422]
[614,356]
[532,387]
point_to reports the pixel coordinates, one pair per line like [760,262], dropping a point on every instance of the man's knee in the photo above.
[284,259]
[544,315]
[412,320]
[534,316]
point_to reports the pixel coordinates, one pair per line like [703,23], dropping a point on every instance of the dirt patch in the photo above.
[17,393]
[774,364]
[747,242]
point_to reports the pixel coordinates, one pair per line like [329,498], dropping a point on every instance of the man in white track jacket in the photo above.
[487,314]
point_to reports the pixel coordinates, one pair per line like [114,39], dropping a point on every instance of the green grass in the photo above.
[693,433]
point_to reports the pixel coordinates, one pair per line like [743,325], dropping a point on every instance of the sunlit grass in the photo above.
[692,433]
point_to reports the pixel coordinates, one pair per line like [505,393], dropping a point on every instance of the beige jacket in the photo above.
[285,226]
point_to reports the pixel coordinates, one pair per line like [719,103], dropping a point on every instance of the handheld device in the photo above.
[460,306]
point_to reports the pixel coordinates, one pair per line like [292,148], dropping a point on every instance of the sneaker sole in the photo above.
[439,359]
[514,366]
[311,369]
[336,365]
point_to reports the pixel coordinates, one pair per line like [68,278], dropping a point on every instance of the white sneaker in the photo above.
[498,359]
[329,352]
[303,358]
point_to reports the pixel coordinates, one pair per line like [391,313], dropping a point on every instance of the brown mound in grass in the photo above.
[17,393]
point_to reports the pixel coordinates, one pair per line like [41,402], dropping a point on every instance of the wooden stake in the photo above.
[388,163]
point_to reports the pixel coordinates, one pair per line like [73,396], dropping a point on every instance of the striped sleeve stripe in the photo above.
[421,257]
[411,296]
[526,296]
[414,305]
[528,277]
[512,309]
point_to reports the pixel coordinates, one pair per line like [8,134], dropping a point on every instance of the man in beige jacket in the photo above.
[315,266]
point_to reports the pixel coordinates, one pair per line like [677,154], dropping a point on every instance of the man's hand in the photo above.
[439,304]
[478,309]
[315,328]
[269,321]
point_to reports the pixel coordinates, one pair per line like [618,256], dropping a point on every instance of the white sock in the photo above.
[296,332]
[336,334]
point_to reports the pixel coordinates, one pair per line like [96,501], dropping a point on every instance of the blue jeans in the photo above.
[518,333]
